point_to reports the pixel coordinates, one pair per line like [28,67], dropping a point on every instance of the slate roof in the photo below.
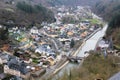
[4,56]
[18,65]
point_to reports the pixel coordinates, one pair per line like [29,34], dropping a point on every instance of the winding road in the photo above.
[90,44]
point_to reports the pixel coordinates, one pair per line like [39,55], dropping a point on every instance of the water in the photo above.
[90,44]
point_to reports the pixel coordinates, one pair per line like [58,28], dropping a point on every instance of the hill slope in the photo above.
[22,13]
[94,67]
[110,11]
[67,2]
[107,8]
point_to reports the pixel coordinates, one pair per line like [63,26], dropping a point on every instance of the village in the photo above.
[36,49]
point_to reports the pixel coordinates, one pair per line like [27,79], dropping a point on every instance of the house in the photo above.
[102,44]
[16,67]
[51,61]
[34,30]
[64,39]
[5,47]
[45,49]
[92,28]
[70,33]
[86,22]
[15,28]
[53,35]
[4,58]
[12,77]
[83,28]
[40,50]
[0,26]
[84,34]
[9,1]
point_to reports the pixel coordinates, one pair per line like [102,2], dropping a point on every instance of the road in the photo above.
[88,45]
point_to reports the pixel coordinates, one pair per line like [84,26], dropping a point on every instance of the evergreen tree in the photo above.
[72,43]
[3,33]
[115,22]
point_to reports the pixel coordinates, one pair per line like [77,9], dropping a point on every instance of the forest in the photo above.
[24,14]
[109,10]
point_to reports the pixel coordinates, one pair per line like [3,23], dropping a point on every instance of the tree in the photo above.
[25,7]
[3,33]
[72,43]
[16,52]
[33,14]
[69,19]
[115,21]
[107,8]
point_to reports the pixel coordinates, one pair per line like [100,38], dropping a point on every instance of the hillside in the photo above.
[67,2]
[110,11]
[23,14]
[94,67]
[107,8]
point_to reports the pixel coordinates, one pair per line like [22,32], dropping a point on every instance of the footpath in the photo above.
[65,61]
[76,52]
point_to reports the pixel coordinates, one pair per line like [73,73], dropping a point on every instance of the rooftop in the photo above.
[18,65]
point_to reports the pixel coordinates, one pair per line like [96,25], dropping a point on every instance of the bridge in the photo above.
[75,59]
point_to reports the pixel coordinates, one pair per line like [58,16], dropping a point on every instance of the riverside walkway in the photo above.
[88,44]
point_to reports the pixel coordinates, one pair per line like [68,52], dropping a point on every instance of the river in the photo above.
[89,44]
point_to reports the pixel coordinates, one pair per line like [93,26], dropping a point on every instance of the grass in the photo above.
[95,66]
[93,21]
[35,60]
[117,47]
[9,9]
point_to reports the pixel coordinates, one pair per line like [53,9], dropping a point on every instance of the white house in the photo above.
[34,30]
[0,26]
[3,58]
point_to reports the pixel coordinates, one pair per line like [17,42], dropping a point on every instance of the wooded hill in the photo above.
[94,67]
[107,8]
[24,14]
[110,11]
[67,2]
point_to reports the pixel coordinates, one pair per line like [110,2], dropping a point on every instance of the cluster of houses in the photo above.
[23,68]
[14,66]
[35,50]
[32,49]
[77,12]
[106,46]
[66,32]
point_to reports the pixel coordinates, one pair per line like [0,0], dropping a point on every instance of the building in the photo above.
[34,30]
[102,44]
[3,58]
[16,67]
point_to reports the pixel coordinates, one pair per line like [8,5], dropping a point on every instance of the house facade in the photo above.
[7,70]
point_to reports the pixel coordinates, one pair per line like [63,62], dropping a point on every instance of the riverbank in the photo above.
[77,51]
[87,45]
[64,61]
[95,66]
